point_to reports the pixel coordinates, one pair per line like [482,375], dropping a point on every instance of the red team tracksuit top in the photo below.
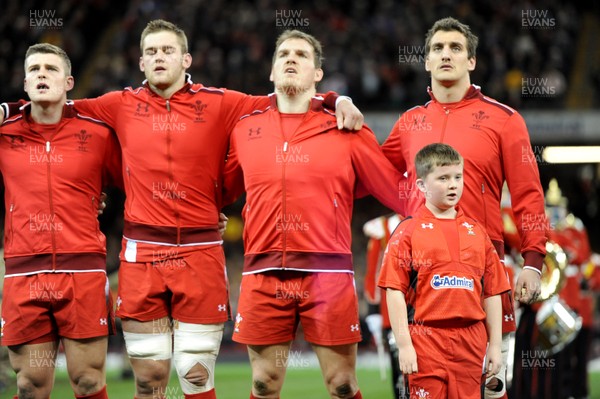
[300,190]
[173,157]
[53,176]
[493,140]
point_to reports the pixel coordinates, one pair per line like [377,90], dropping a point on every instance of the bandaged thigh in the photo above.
[501,376]
[148,346]
[196,344]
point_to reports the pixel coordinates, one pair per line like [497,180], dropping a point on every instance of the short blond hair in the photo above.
[160,25]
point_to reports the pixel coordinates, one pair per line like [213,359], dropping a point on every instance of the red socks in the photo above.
[101,394]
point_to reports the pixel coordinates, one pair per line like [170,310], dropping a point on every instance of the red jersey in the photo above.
[53,177]
[173,157]
[300,189]
[445,268]
[493,140]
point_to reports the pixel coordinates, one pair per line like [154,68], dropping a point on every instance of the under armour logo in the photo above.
[140,106]
[17,142]
[222,307]
[119,302]
[508,317]
[103,322]
[256,131]
[354,327]
[427,225]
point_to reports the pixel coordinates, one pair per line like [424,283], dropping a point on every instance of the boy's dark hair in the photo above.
[433,155]
[450,24]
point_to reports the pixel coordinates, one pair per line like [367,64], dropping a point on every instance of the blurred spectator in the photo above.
[230,43]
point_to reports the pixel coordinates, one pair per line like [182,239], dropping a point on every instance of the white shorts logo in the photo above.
[439,283]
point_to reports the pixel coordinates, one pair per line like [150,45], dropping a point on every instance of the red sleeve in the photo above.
[329,100]
[392,147]
[104,108]
[233,176]
[396,264]
[113,174]
[527,197]
[12,108]
[495,281]
[375,172]
[236,105]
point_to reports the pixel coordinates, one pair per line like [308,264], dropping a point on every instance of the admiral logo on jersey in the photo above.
[439,283]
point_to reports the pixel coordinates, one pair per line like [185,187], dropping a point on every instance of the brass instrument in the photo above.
[558,324]
[553,272]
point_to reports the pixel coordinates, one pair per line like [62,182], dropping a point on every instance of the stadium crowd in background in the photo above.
[231,43]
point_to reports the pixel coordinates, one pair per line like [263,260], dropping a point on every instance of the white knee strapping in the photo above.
[196,343]
[501,376]
[148,346]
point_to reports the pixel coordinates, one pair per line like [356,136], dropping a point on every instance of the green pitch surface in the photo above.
[233,382]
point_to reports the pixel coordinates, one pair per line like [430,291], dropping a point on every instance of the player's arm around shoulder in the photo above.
[375,172]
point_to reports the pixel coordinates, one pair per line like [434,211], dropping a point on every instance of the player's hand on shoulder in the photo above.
[348,115]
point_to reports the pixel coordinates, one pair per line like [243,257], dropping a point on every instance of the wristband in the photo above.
[532,268]
[340,98]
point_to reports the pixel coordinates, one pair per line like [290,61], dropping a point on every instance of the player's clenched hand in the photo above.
[528,286]
[493,360]
[408,359]
[348,116]
[222,223]
[102,203]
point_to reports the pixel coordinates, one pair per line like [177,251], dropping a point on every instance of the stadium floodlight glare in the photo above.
[574,154]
